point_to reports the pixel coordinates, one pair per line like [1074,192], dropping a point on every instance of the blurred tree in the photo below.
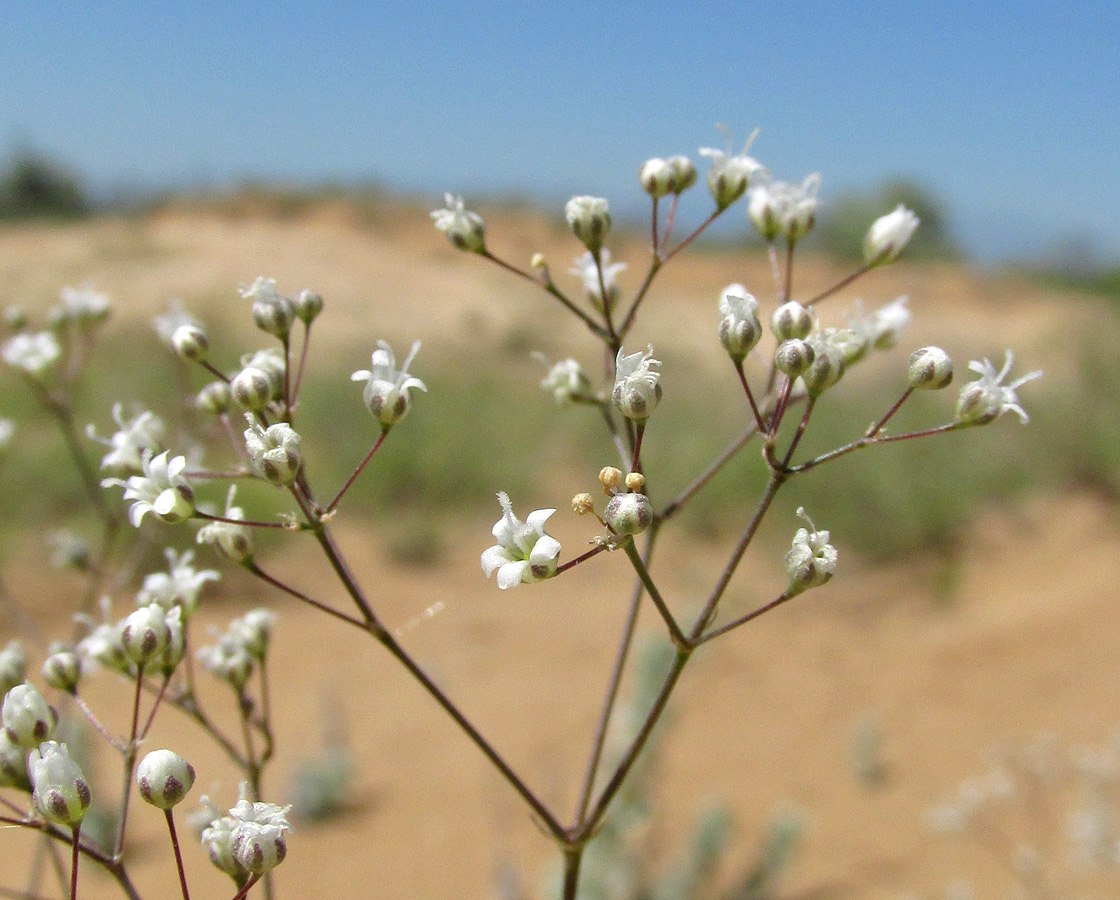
[34,188]
[842,225]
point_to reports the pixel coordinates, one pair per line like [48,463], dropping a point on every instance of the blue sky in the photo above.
[1006,110]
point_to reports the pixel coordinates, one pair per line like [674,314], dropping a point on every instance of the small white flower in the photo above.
[60,790]
[465,229]
[34,353]
[272,312]
[524,553]
[179,586]
[730,175]
[637,386]
[987,398]
[102,645]
[274,452]
[739,328]
[587,269]
[811,560]
[566,381]
[888,236]
[162,489]
[143,431]
[386,391]
[228,660]
[254,631]
[84,306]
[217,839]
[783,208]
[233,541]
[259,838]
[590,220]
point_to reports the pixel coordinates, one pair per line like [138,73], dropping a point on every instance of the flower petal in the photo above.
[512,574]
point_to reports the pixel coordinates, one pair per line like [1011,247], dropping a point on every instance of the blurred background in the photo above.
[163,158]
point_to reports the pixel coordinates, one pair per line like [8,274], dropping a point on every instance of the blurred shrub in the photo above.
[842,225]
[34,188]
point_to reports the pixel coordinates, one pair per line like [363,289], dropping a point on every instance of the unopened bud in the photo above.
[590,220]
[683,174]
[582,504]
[793,357]
[164,778]
[252,388]
[628,513]
[214,398]
[189,343]
[28,720]
[274,452]
[739,328]
[144,634]
[635,481]
[60,790]
[308,304]
[888,236]
[791,320]
[930,369]
[610,478]
[62,670]
[538,261]
[655,177]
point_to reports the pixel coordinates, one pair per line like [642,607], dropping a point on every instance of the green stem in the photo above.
[655,595]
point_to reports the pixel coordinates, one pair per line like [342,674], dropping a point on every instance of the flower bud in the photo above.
[28,720]
[888,236]
[62,670]
[13,764]
[628,513]
[635,481]
[610,478]
[793,357]
[59,789]
[252,388]
[164,778]
[217,838]
[253,631]
[308,304]
[272,312]
[214,398]
[13,666]
[582,504]
[655,177]
[683,174]
[791,320]
[827,366]
[590,220]
[274,452]
[176,648]
[189,342]
[259,847]
[739,328]
[930,368]
[811,560]
[144,634]
[851,345]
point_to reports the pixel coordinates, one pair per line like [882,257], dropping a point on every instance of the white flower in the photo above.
[587,269]
[730,175]
[144,431]
[386,391]
[179,586]
[228,660]
[60,790]
[102,646]
[34,353]
[590,220]
[566,381]
[524,553]
[258,840]
[84,306]
[233,541]
[167,323]
[986,399]
[217,838]
[272,312]
[253,631]
[739,328]
[465,229]
[888,236]
[27,718]
[783,208]
[889,322]
[811,560]
[162,489]
[637,385]
[274,452]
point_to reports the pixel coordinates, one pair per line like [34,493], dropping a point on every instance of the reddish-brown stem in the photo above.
[76,831]
[742,620]
[178,854]
[840,285]
[287,589]
[583,557]
[358,471]
[750,395]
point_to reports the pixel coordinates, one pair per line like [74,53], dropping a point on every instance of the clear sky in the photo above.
[1009,111]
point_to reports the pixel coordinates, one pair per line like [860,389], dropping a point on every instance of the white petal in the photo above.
[537,518]
[494,557]
[512,574]
[545,552]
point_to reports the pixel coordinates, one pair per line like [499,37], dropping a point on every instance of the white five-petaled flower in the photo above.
[179,586]
[987,398]
[811,560]
[83,306]
[34,353]
[888,236]
[161,488]
[566,380]
[465,229]
[637,385]
[730,175]
[588,270]
[144,431]
[783,208]
[233,541]
[386,391]
[524,553]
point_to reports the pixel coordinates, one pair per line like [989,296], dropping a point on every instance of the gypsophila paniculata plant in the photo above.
[787,352]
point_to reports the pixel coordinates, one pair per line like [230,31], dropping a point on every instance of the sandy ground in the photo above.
[762,720]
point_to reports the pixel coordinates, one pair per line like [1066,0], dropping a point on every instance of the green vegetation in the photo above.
[34,188]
